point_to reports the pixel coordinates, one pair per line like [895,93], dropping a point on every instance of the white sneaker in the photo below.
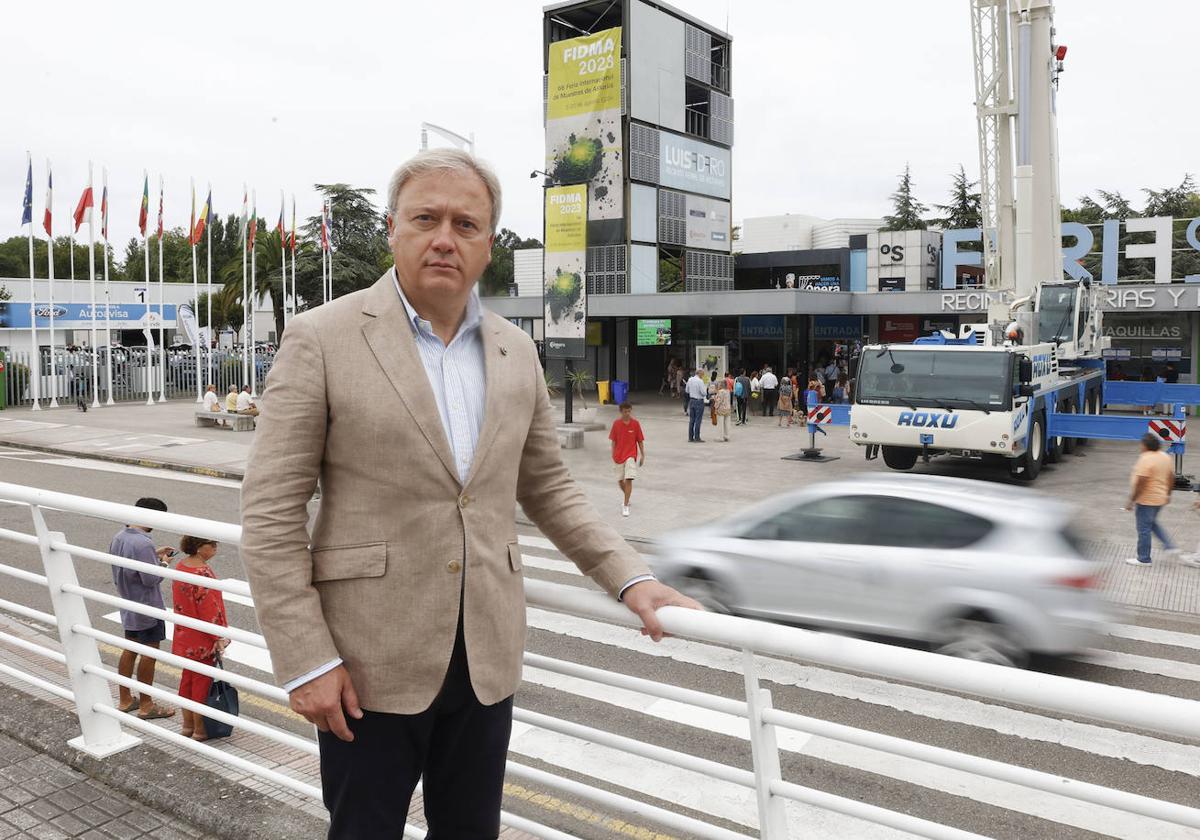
[1133,561]
[1192,560]
[624,510]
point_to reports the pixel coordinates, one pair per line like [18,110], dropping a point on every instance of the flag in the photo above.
[279,228]
[27,205]
[253,228]
[104,212]
[293,242]
[160,207]
[46,218]
[145,211]
[83,210]
[204,211]
[245,209]
[324,229]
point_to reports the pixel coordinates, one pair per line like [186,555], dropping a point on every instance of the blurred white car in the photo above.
[978,570]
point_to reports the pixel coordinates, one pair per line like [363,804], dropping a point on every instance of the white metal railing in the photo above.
[103,727]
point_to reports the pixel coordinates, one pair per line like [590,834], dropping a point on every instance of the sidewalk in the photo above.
[44,798]
[682,484]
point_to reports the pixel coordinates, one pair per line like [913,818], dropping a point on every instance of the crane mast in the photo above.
[1017,66]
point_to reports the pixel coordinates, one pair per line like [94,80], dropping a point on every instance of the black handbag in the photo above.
[224,698]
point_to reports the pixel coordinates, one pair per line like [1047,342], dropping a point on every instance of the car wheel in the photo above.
[708,593]
[899,457]
[981,640]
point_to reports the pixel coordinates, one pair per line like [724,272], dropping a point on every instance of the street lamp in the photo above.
[551,181]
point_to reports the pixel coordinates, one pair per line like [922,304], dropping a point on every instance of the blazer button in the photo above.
[454,567]
[464,500]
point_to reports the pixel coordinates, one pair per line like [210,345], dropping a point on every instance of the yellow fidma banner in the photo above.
[566,218]
[585,74]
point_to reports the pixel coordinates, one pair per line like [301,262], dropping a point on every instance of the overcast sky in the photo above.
[831,99]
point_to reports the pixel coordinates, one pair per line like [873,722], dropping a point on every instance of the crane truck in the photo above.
[1029,385]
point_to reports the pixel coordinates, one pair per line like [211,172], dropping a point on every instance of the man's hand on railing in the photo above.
[326,701]
[646,596]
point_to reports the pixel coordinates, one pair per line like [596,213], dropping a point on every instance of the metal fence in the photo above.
[104,732]
[71,376]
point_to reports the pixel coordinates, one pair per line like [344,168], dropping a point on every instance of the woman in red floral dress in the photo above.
[199,602]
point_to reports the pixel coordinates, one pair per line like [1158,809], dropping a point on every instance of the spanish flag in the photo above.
[200,222]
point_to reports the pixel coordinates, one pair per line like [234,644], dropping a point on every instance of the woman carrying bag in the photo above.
[199,602]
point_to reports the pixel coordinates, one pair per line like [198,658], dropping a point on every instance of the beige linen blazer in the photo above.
[379,581]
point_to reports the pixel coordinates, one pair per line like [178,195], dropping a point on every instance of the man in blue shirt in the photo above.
[133,542]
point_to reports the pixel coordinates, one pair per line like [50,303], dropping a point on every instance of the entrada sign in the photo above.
[1159,250]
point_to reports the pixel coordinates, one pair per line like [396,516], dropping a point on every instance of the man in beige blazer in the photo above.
[398,626]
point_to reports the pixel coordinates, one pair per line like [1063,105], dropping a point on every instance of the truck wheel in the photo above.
[899,457]
[1068,444]
[1029,465]
[1091,406]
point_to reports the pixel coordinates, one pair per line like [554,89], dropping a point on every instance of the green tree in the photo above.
[226,309]
[359,244]
[906,210]
[499,272]
[963,211]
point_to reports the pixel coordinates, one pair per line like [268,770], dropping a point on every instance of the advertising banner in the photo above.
[652,332]
[564,290]
[583,119]
[708,224]
[711,360]
[691,165]
[75,316]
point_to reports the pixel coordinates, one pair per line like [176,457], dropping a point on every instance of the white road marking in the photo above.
[547,564]
[685,788]
[1171,638]
[142,472]
[1012,797]
[1098,740]
[1144,664]
[239,652]
[536,542]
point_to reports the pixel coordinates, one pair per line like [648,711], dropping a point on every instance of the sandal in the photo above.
[130,709]
[156,712]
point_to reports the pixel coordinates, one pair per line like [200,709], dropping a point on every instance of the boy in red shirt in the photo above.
[628,451]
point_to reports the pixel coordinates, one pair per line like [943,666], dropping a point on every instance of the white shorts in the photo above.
[627,470]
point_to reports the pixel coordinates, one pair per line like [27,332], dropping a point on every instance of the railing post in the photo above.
[772,810]
[102,735]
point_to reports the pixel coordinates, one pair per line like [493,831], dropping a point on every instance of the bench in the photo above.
[240,422]
[570,437]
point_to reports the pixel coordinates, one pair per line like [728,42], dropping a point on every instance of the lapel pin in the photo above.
[503,351]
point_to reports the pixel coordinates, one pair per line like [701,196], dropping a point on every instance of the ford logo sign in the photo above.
[47,311]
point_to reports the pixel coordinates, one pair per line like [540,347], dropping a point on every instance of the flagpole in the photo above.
[195,293]
[145,224]
[208,297]
[295,299]
[50,254]
[324,256]
[162,338]
[331,249]
[92,284]
[253,290]
[35,356]
[283,265]
[245,323]
[107,301]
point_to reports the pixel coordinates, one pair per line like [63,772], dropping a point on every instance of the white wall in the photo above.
[655,49]
[527,272]
[799,232]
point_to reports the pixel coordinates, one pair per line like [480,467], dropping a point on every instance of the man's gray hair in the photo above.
[441,160]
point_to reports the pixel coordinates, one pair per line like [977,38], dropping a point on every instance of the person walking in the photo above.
[195,601]
[742,386]
[724,407]
[785,401]
[697,395]
[134,543]
[628,451]
[770,391]
[1151,484]
[397,624]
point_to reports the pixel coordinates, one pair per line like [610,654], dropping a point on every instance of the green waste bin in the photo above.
[602,390]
